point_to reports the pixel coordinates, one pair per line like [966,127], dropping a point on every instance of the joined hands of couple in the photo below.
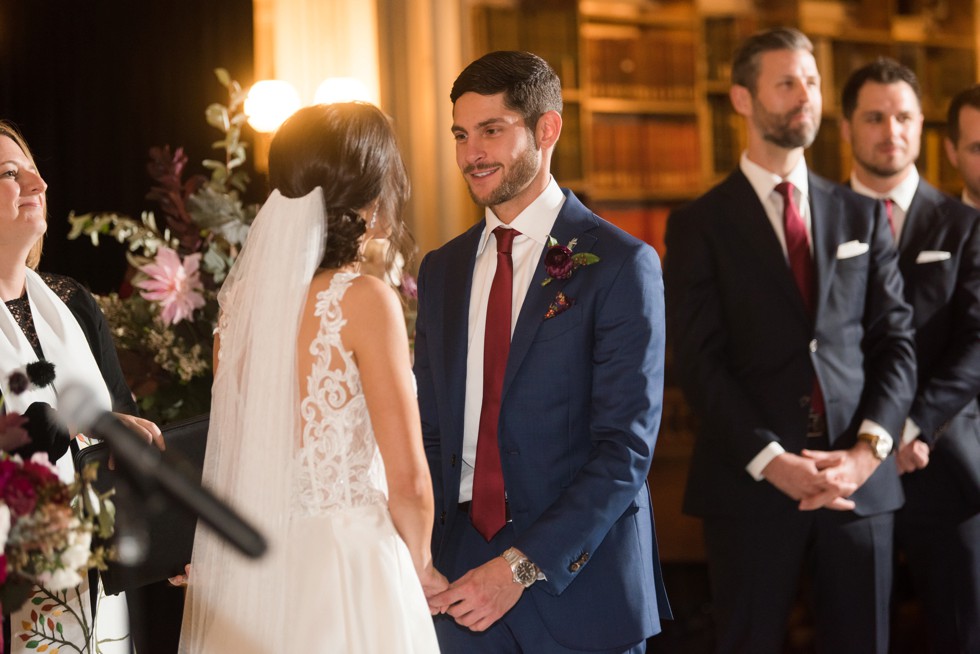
[477,599]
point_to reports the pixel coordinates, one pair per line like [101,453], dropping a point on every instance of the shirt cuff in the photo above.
[762,459]
[872,427]
[910,432]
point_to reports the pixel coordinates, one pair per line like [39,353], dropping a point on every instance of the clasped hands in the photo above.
[819,479]
[479,598]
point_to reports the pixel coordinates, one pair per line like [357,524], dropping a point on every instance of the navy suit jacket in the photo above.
[580,410]
[945,298]
[746,351]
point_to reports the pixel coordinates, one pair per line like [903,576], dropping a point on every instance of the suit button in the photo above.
[804,401]
[574,567]
[452,461]
[813,345]
[442,518]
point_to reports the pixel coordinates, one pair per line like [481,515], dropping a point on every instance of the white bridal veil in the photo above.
[235,604]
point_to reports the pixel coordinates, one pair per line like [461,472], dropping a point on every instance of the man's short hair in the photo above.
[968,97]
[880,71]
[745,66]
[530,86]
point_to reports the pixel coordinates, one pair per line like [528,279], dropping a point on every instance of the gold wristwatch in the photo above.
[525,572]
[881,446]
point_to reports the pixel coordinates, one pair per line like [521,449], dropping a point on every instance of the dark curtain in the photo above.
[93,85]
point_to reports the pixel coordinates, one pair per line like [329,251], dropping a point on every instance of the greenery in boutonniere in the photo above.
[560,262]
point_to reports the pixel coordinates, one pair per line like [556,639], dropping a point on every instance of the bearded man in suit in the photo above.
[793,344]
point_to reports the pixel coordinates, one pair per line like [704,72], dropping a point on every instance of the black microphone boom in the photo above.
[147,466]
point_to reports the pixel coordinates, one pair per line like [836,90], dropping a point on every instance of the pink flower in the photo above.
[175,285]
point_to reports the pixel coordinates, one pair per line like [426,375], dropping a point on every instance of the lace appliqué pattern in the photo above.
[339,465]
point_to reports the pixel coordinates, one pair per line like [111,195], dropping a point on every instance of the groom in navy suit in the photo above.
[539,355]
[793,344]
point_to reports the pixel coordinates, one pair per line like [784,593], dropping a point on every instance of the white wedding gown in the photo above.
[362,593]
[350,584]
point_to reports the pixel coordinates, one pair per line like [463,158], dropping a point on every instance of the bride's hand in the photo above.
[433,583]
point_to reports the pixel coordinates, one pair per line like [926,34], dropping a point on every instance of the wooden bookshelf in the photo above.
[648,124]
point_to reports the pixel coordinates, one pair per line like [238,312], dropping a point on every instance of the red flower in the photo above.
[19,495]
[558,262]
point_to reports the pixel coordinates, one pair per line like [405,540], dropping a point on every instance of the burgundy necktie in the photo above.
[801,263]
[488,512]
[889,209]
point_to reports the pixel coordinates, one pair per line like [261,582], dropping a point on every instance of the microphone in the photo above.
[147,465]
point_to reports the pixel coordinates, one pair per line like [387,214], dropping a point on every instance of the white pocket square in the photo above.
[932,256]
[851,249]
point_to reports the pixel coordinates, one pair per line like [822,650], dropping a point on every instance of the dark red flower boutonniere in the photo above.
[560,262]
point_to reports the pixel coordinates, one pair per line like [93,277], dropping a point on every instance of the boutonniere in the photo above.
[560,262]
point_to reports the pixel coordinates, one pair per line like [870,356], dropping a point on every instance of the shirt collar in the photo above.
[764,181]
[535,222]
[901,194]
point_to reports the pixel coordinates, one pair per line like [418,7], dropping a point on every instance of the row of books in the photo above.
[640,63]
[632,151]
[648,224]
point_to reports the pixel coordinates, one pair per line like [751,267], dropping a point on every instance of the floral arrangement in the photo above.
[46,534]
[164,332]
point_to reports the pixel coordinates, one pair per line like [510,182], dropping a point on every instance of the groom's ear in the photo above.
[548,129]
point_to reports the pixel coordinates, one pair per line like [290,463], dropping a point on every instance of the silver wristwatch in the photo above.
[525,572]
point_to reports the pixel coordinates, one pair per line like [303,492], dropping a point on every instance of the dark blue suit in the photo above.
[939,526]
[580,411]
[746,352]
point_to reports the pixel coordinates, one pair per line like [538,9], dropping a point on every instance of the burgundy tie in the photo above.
[488,512]
[889,211]
[801,263]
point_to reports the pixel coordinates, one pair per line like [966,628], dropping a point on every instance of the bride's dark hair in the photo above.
[349,150]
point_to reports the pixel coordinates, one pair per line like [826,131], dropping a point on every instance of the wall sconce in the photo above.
[267,105]
[341,89]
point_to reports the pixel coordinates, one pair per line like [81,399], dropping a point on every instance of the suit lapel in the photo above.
[572,222]
[753,234]
[825,228]
[456,328]
[918,229]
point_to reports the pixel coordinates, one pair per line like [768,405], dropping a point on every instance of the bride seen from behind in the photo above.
[315,432]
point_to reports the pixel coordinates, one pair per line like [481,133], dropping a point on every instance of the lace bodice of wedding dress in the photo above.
[338,465]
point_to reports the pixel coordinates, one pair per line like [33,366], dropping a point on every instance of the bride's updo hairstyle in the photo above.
[349,150]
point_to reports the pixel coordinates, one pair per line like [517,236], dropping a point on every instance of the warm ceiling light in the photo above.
[269,103]
[341,89]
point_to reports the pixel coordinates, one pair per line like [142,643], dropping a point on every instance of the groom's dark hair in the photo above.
[530,86]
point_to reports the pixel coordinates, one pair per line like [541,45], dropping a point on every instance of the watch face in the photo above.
[525,573]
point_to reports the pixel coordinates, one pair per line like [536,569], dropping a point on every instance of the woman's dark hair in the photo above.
[8,130]
[349,150]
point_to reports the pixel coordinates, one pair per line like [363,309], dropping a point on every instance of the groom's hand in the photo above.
[481,596]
